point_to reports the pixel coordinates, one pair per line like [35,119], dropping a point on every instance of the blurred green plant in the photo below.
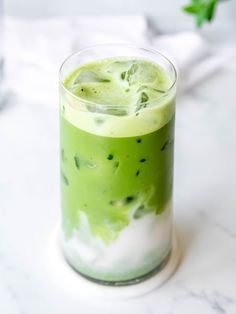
[203,10]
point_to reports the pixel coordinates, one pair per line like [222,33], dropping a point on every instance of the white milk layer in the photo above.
[144,239]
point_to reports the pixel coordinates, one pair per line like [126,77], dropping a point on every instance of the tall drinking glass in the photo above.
[117,108]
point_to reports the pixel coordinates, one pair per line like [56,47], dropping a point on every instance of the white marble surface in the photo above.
[205,198]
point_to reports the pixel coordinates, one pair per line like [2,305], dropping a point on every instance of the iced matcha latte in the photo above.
[117,135]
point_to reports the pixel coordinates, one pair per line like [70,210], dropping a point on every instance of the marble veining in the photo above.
[222,227]
[213,302]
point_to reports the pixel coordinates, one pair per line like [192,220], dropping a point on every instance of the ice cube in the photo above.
[116,111]
[124,201]
[91,107]
[142,101]
[131,73]
[149,89]
[147,72]
[122,69]
[141,211]
[90,164]
[90,77]
[143,97]
[139,72]
[119,66]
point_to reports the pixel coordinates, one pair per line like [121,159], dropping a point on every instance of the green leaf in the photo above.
[200,18]
[203,10]
[192,9]
[211,10]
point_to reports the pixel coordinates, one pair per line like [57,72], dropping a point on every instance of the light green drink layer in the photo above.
[117,167]
[119,82]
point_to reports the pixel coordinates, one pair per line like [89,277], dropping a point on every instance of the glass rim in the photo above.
[131,46]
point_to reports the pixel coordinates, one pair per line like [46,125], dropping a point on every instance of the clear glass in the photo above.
[116,177]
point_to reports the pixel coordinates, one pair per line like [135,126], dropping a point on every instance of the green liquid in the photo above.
[106,177]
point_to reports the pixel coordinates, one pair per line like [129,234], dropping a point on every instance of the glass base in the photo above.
[62,275]
[121,283]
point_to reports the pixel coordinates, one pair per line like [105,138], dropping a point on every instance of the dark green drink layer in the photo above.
[114,179]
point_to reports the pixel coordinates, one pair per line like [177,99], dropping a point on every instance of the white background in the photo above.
[165,16]
[43,8]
